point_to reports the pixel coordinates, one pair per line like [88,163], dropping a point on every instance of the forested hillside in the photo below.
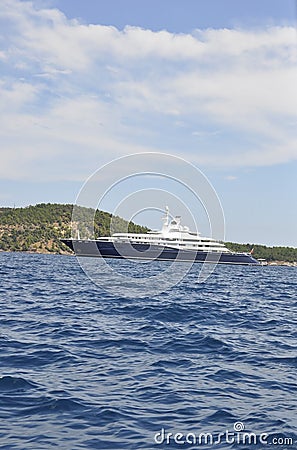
[270,254]
[39,228]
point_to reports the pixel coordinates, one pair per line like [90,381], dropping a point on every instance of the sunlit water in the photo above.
[82,368]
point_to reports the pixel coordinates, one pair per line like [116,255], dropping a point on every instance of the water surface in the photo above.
[82,368]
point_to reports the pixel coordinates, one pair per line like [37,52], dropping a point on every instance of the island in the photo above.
[40,228]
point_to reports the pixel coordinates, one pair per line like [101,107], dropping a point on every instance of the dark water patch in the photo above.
[36,358]
[10,384]
[285,360]
[55,406]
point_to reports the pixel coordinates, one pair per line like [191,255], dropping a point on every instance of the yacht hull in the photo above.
[108,249]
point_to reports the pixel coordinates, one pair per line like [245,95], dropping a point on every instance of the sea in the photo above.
[209,364]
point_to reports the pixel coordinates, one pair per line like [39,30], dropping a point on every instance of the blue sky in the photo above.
[179,16]
[213,82]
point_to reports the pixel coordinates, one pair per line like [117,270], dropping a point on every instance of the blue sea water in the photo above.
[82,368]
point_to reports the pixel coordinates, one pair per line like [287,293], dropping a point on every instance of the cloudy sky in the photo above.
[213,82]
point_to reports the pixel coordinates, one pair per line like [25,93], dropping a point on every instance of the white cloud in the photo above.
[86,93]
[15,95]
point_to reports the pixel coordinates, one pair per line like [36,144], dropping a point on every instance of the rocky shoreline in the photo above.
[282,263]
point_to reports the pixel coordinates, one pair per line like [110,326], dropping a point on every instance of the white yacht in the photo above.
[173,242]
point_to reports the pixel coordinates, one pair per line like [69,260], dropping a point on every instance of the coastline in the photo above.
[40,228]
[282,263]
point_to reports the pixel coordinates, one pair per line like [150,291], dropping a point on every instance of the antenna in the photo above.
[166,218]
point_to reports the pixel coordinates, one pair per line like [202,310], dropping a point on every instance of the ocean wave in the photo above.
[13,383]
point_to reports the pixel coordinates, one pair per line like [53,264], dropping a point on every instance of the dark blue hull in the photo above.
[106,249]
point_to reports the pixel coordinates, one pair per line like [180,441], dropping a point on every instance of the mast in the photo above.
[165,219]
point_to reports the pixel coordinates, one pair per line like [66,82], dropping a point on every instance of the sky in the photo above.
[212,82]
